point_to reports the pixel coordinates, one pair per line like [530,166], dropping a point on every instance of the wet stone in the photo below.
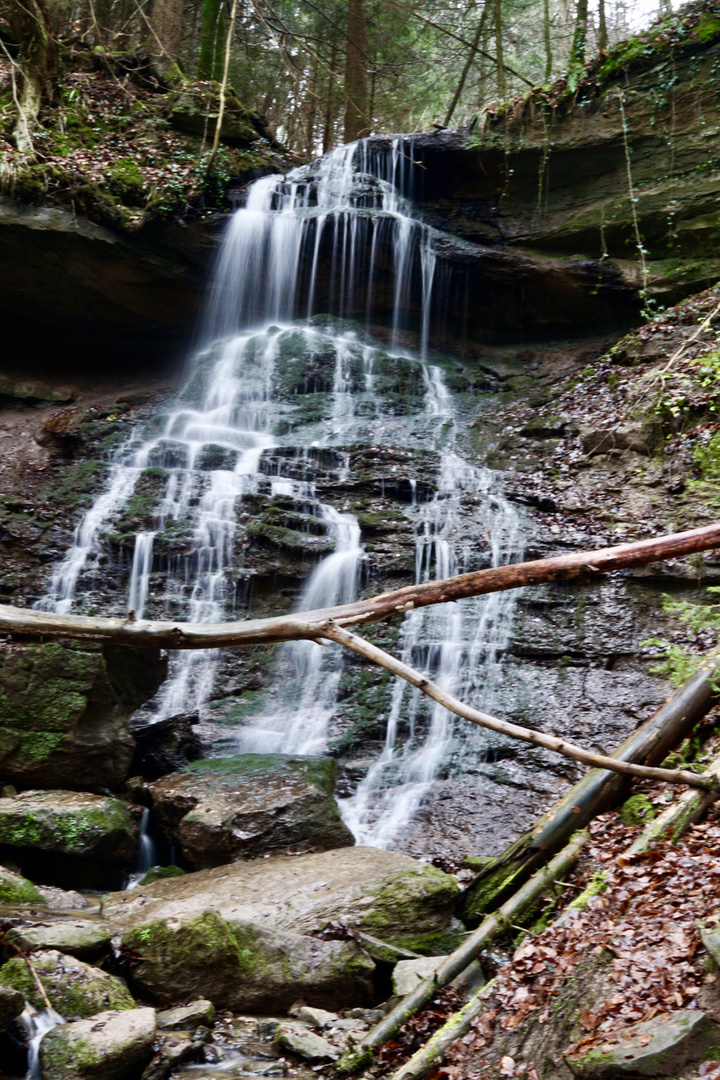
[298,1039]
[84,940]
[186,1016]
[652,1048]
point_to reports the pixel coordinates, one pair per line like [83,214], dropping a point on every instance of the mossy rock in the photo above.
[637,810]
[75,989]
[161,873]
[219,810]
[17,890]
[114,1045]
[239,965]
[78,824]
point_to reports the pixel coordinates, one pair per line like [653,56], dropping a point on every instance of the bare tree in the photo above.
[30,24]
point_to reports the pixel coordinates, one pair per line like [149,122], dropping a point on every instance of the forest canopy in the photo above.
[320,71]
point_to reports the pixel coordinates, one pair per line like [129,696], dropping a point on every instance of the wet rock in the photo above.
[239,965]
[66,900]
[186,1016]
[159,873]
[390,895]
[63,714]
[408,973]
[108,1046]
[658,1047]
[75,989]
[244,806]
[298,1039]
[165,746]
[15,890]
[640,437]
[84,940]
[32,392]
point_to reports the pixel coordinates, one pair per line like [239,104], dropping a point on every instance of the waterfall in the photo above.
[307,265]
[37,1024]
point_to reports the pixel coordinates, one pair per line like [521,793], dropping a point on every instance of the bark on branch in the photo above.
[307,624]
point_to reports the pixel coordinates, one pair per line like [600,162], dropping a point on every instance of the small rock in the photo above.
[107,1046]
[186,1016]
[408,973]
[368,1016]
[658,1047]
[165,746]
[267,1028]
[306,1044]
[315,1017]
[75,989]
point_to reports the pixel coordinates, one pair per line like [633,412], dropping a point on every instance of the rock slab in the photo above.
[108,1046]
[384,893]
[73,823]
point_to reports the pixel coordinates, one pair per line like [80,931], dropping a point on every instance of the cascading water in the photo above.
[339,237]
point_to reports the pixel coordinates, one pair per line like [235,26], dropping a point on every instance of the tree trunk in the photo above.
[548,39]
[499,57]
[30,24]
[329,118]
[211,40]
[167,25]
[356,120]
[602,27]
[579,44]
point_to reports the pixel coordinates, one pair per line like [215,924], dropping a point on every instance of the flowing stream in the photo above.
[339,237]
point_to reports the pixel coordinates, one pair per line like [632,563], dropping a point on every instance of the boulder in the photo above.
[108,1046]
[241,966]
[75,989]
[86,940]
[658,1047]
[244,806]
[165,746]
[69,837]
[64,711]
[385,893]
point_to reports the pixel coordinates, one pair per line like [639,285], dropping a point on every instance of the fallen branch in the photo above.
[597,791]
[378,656]
[461,958]
[169,635]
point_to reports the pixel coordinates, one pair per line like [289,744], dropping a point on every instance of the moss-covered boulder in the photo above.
[64,712]
[248,805]
[75,989]
[15,889]
[240,965]
[110,1046]
[80,825]
[389,895]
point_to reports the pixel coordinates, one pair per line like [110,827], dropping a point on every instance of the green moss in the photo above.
[596,886]
[402,905]
[637,810]
[708,29]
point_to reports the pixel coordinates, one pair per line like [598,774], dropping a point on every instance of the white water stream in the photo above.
[233,435]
